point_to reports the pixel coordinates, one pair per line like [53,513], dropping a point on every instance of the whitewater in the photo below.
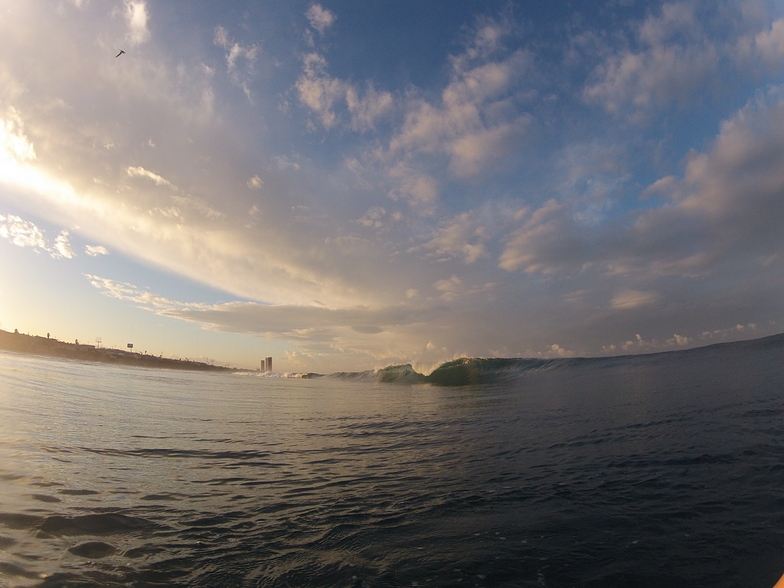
[649,470]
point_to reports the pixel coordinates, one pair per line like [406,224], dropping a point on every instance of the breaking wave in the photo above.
[475,371]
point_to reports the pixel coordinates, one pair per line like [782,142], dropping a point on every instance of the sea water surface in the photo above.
[661,470]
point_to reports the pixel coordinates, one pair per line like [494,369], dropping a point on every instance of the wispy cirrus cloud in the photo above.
[240,60]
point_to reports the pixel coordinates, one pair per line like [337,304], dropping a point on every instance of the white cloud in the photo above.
[548,241]
[675,61]
[770,44]
[62,246]
[726,206]
[475,124]
[320,18]
[360,331]
[763,48]
[450,288]
[473,152]
[284,163]
[318,91]
[415,187]
[199,205]
[142,298]
[325,96]
[255,182]
[463,236]
[373,218]
[728,333]
[139,171]
[678,341]
[95,250]
[137,17]
[630,299]
[366,109]
[240,60]
[558,351]
[22,233]
[14,145]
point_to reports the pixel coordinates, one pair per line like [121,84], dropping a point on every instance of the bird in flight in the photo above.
[120,53]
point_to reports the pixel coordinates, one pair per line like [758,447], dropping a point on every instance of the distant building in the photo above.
[268,363]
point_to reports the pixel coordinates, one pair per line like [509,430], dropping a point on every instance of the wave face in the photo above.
[478,371]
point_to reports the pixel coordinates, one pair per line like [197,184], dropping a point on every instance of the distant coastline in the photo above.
[37,345]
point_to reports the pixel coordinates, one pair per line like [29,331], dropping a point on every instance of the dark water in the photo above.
[663,470]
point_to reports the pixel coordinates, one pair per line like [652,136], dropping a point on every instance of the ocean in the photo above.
[662,470]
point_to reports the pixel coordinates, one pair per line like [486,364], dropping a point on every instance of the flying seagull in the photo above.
[120,53]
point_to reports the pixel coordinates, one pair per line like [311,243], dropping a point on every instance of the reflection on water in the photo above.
[639,472]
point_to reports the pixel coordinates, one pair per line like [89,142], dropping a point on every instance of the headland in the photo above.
[37,345]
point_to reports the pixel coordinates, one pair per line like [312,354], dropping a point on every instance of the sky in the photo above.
[349,185]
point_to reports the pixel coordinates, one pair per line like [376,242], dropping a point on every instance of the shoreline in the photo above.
[45,346]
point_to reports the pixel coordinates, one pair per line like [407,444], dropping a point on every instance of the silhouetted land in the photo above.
[36,345]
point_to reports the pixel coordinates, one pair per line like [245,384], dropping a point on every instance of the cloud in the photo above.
[204,246]
[450,289]
[629,299]
[95,250]
[318,91]
[676,60]
[240,60]
[493,207]
[462,236]
[320,18]
[327,97]
[144,299]
[725,207]
[770,44]
[359,330]
[284,163]
[366,109]
[62,246]
[24,233]
[549,241]
[765,48]
[414,186]
[729,333]
[373,218]
[473,124]
[139,171]
[15,147]
[558,351]
[473,152]
[454,288]
[136,15]
[735,188]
